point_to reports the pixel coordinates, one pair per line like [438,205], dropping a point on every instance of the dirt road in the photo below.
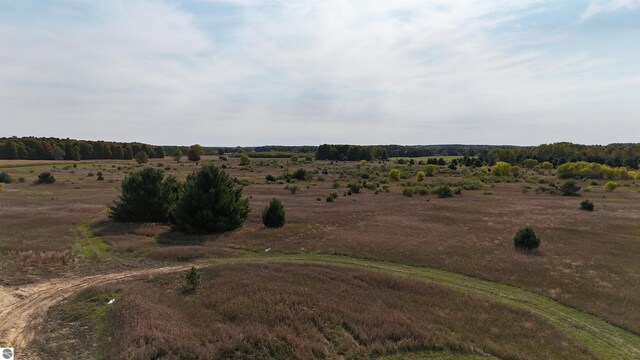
[22,308]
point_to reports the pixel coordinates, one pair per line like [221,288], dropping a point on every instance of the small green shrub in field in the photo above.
[610,186]
[420,176]
[354,188]
[329,199]
[526,239]
[408,191]
[423,191]
[334,195]
[100,177]
[270,178]
[394,174]
[193,278]
[443,191]
[142,157]
[586,205]
[546,165]
[588,188]
[430,170]
[45,178]
[5,178]
[570,188]
[501,168]
[301,174]
[335,185]
[292,187]
[244,160]
[273,215]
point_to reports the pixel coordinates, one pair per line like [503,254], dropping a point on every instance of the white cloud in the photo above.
[305,72]
[602,6]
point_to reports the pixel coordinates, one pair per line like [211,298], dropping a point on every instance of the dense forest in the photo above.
[32,148]
[350,152]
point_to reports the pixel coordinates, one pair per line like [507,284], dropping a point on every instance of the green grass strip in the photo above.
[92,245]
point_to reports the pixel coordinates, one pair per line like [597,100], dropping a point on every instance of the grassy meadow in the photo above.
[587,261]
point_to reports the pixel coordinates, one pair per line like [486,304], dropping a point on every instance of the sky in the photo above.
[250,72]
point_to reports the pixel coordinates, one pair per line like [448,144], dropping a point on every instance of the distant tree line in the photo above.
[350,152]
[32,148]
[614,155]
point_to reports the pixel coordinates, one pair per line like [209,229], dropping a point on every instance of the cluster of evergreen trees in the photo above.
[32,148]
[350,152]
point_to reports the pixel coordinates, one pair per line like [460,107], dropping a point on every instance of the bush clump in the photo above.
[586,205]
[570,188]
[273,215]
[443,191]
[526,239]
[45,178]
[610,186]
[394,174]
[5,178]
[210,202]
[193,278]
[146,196]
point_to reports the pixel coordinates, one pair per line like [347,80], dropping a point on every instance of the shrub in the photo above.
[408,191]
[146,196]
[210,202]
[301,174]
[570,188]
[354,188]
[5,178]
[329,198]
[292,188]
[443,191]
[394,174]
[530,163]
[334,195]
[244,160]
[100,177]
[270,178]
[586,205]
[501,168]
[610,186]
[45,178]
[336,185]
[430,170]
[526,239]
[273,215]
[193,278]
[142,157]
[546,165]
[420,176]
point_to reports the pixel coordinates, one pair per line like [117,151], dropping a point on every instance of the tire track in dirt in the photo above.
[21,309]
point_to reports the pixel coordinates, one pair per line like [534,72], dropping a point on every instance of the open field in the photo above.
[587,260]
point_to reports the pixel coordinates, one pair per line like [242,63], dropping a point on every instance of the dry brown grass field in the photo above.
[587,260]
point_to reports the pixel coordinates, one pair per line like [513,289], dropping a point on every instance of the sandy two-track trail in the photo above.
[22,308]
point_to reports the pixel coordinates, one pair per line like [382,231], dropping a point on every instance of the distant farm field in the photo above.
[587,261]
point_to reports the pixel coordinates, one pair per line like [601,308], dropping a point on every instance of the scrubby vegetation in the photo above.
[5,178]
[46,178]
[526,239]
[610,186]
[570,188]
[583,169]
[586,205]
